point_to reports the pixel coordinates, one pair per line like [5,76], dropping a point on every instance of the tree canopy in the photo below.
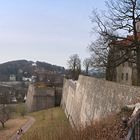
[118,25]
[74,64]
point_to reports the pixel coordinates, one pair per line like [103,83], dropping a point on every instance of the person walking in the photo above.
[19,131]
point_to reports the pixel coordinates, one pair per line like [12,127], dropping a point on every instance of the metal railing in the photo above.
[134,127]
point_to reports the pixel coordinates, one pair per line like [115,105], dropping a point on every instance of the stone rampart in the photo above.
[92,99]
[40,98]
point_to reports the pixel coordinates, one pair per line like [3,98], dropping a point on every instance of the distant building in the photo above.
[34,64]
[26,79]
[34,79]
[12,77]
[14,100]
[126,72]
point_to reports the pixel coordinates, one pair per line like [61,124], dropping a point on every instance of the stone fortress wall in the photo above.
[42,98]
[90,99]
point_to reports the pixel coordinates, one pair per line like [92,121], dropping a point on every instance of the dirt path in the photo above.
[25,127]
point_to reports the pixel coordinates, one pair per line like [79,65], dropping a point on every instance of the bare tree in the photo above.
[87,63]
[4,115]
[103,56]
[74,64]
[122,17]
[99,52]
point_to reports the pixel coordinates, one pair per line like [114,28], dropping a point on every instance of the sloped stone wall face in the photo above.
[40,98]
[92,99]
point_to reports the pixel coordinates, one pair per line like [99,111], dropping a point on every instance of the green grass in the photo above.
[49,125]
[17,110]
[15,122]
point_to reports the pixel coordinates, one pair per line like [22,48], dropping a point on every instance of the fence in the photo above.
[134,127]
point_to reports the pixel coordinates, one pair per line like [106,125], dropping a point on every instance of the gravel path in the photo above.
[25,127]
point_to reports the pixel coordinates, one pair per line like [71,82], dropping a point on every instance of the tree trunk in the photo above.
[87,70]
[111,74]
[138,66]
[111,68]
[2,124]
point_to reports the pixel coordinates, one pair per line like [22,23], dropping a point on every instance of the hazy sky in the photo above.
[45,30]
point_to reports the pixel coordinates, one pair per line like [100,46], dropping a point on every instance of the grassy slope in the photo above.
[14,123]
[53,125]
[48,126]
[11,127]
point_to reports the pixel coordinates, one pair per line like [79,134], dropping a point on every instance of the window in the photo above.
[126,76]
[122,76]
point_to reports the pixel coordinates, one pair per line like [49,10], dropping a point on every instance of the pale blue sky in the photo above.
[45,30]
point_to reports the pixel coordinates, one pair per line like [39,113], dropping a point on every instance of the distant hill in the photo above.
[25,68]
